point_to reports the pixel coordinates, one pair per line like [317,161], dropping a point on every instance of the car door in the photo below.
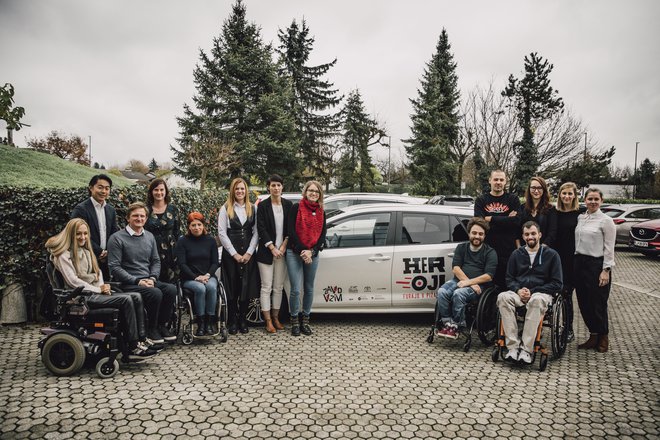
[423,251]
[355,267]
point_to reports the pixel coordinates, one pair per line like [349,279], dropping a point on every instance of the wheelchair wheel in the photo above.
[468,344]
[495,354]
[106,369]
[431,335]
[224,334]
[186,338]
[487,316]
[63,354]
[559,330]
[543,362]
[254,312]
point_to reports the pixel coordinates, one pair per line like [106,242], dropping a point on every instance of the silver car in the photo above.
[336,202]
[626,216]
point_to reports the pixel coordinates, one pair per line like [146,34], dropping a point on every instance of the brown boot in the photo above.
[269,322]
[603,344]
[592,342]
[275,314]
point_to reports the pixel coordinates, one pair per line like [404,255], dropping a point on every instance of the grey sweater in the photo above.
[132,258]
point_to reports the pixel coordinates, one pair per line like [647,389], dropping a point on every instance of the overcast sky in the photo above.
[120,71]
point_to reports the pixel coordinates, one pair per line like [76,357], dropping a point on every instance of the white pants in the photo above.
[272,280]
[536,308]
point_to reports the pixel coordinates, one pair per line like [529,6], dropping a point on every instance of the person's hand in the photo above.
[477,289]
[524,294]
[246,258]
[146,282]
[105,289]
[283,249]
[276,252]
[463,283]
[603,278]
[104,254]
[513,213]
[238,258]
[488,218]
[306,256]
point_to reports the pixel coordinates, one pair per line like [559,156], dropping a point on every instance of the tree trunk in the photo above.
[13,306]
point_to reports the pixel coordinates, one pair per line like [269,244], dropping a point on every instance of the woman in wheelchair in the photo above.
[197,256]
[71,253]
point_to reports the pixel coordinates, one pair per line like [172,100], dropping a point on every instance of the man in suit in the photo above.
[100,216]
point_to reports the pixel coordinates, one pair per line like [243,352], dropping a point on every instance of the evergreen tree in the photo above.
[593,169]
[534,100]
[312,100]
[359,132]
[645,180]
[435,125]
[481,172]
[240,103]
[153,165]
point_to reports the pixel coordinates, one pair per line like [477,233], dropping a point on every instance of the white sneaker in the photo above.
[512,355]
[524,357]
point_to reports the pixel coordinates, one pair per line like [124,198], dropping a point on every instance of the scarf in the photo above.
[309,223]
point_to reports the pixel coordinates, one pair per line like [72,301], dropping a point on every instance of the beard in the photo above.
[476,242]
[532,242]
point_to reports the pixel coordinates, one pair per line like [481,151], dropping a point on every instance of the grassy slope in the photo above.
[21,167]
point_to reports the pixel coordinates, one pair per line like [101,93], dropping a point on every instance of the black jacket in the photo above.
[543,276]
[85,210]
[266,227]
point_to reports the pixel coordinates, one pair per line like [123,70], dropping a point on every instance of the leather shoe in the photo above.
[589,343]
[603,344]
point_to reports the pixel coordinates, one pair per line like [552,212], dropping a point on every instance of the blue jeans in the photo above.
[452,301]
[298,269]
[205,296]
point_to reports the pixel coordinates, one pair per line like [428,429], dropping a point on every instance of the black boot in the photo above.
[243,325]
[295,326]
[201,326]
[242,320]
[212,325]
[304,325]
[232,327]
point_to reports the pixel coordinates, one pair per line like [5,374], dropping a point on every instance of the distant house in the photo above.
[613,191]
[137,177]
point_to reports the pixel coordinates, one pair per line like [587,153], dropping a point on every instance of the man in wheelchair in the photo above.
[533,275]
[473,265]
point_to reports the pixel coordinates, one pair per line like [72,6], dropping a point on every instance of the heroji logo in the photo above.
[496,208]
[427,273]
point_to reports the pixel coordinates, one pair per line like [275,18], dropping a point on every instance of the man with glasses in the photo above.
[500,209]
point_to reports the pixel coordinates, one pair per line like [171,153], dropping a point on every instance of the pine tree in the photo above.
[534,100]
[240,103]
[435,124]
[359,132]
[312,100]
[153,165]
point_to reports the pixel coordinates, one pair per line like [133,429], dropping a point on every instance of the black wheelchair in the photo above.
[78,335]
[555,321]
[480,314]
[186,315]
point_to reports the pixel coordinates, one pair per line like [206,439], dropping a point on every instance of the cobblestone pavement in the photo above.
[357,377]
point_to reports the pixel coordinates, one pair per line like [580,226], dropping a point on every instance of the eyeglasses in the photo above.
[313,191]
[536,188]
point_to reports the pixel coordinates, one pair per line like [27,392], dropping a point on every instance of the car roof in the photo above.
[399,207]
[402,197]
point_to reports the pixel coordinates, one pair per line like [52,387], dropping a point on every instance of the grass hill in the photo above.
[23,167]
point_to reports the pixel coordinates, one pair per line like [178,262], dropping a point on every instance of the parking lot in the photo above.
[358,376]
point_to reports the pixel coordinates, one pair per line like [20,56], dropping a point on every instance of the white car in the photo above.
[335,202]
[387,257]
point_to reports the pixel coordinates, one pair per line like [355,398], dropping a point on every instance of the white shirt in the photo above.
[595,236]
[278,213]
[100,217]
[223,226]
[132,233]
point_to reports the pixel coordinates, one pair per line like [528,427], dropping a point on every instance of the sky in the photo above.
[120,71]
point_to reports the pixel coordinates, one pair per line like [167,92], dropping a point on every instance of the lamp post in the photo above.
[635,173]
[389,160]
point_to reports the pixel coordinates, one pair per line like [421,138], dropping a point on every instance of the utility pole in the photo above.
[90,151]
[635,173]
[585,146]
[389,160]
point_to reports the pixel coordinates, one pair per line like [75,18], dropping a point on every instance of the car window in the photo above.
[425,229]
[458,227]
[614,213]
[654,214]
[640,213]
[334,205]
[372,201]
[360,230]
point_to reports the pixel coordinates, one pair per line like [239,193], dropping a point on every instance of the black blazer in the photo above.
[266,227]
[85,210]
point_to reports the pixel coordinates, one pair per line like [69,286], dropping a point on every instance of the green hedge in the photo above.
[29,216]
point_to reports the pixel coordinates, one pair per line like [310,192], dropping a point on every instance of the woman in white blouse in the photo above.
[237,229]
[72,255]
[595,237]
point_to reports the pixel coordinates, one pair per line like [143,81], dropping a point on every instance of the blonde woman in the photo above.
[72,255]
[568,210]
[237,229]
[306,231]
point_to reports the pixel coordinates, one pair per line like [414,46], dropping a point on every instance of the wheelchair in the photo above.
[186,315]
[555,321]
[481,315]
[78,335]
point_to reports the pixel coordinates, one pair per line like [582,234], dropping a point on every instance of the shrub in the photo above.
[29,216]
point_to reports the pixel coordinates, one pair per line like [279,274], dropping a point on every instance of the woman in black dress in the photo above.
[567,218]
[237,229]
[163,222]
[538,208]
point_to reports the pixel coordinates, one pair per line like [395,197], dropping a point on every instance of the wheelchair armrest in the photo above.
[67,294]
[115,286]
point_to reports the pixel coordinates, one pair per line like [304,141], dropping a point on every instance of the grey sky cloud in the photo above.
[121,71]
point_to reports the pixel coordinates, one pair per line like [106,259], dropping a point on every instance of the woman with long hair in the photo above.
[71,253]
[595,237]
[163,223]
[197,257]
[306,229]
[237,229]
[537,208]
[271,217]
[568,210]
